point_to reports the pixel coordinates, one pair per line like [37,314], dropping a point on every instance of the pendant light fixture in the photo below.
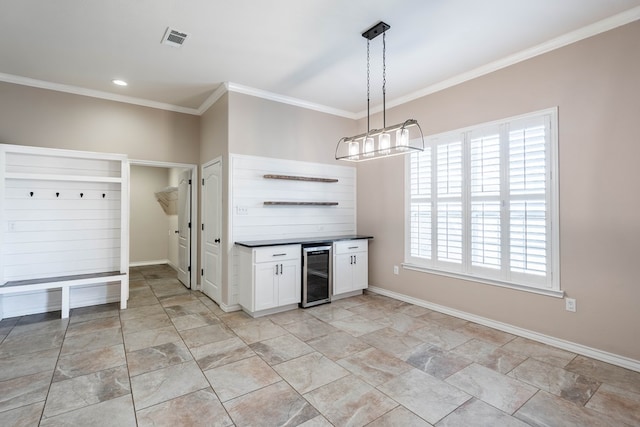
[402,138]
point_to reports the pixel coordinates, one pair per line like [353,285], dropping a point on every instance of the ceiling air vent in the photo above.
[173,38]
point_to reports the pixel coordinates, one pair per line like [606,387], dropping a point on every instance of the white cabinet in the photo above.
[350,266]
[269,277]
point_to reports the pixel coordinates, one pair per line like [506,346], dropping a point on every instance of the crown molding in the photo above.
[41,84]
[213,98]
[234,87]
[596,28]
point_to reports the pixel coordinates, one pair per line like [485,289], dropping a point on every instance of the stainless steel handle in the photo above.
[351,260]
[355,259]
[279,254]
[276,269]
[353,247]
[280,268]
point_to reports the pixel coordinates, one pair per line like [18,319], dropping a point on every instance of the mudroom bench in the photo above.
[64,283]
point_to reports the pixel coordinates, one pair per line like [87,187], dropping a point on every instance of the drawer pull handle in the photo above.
[279,254]
[353,247]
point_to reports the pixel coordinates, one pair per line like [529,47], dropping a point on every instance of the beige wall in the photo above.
[44,118]
[260,127]
[596,87]
[149,225]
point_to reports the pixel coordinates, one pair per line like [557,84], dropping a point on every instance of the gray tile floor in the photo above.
[175,359]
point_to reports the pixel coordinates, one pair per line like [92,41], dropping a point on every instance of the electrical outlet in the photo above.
[396,270]
[570,304]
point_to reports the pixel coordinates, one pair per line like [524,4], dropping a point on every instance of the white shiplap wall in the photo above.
[48,235]
[252,220]
[62,214]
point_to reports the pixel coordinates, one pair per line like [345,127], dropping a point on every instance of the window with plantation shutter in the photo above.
[482,203]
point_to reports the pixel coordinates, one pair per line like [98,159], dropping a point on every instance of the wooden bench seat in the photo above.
[64,283]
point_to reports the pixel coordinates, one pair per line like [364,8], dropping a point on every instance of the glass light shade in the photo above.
[369,146]
[354,149]
[402,138]
[384,143]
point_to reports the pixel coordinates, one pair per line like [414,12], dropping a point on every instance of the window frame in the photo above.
[550,285]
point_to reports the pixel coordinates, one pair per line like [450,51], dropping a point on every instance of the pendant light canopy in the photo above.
[402,138]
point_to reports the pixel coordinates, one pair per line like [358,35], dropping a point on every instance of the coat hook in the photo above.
[103,195]
[81,194]
[31,193]
[57,194]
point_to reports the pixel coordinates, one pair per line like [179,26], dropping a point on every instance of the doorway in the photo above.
[165,187]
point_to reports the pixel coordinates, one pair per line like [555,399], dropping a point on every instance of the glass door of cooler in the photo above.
[316,275]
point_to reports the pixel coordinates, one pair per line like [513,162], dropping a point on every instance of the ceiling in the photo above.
[306,51]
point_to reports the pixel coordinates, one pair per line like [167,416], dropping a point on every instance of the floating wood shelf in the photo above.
[301,203]
[300,178]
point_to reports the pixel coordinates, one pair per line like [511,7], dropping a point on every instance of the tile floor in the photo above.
[175,359]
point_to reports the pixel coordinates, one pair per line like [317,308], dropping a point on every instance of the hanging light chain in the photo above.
[384,79]
[368,86]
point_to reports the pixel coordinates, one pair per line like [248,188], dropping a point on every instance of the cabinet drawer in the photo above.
[351,246]
[277,253]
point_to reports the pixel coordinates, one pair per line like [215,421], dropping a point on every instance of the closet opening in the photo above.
[162,218]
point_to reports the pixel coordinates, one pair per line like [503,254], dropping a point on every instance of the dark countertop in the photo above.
[301,241]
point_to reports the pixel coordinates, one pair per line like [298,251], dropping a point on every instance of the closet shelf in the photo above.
[300,178]
[51,177]
[271,203]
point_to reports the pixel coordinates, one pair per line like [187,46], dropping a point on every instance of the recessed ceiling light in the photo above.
[119,82]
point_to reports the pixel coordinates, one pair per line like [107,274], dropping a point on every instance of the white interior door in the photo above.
[212,230]
[184,232]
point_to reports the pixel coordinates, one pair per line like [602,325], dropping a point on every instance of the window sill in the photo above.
[547,292]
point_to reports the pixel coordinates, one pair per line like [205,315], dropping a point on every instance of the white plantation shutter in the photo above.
[529,222]
[485,180]
[481,202]
[449,201]
[420,210]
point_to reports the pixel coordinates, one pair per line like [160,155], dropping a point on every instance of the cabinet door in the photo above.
[360,271]
[343,274]
[289,283]
[266,286]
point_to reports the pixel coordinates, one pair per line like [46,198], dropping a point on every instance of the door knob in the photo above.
[217,241]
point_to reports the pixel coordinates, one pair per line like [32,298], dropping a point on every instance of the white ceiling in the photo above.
[309,50]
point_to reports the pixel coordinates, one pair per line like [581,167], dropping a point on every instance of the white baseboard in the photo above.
[229,308]
[346,295]
[594,353]
[152,262]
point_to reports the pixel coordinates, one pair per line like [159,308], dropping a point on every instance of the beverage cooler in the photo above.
[317,281]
